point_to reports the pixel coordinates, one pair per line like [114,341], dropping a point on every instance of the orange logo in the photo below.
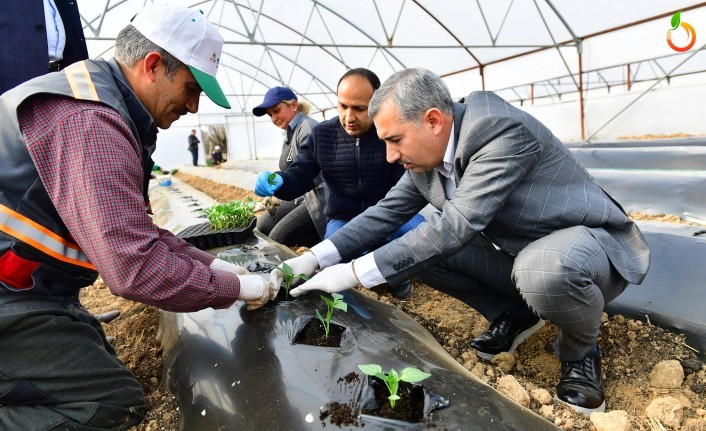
[690,32]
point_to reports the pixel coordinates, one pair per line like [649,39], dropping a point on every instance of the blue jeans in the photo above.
[333,225]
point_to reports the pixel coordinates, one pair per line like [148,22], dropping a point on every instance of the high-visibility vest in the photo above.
[37,251]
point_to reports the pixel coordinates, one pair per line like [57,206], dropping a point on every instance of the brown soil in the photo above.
[653,136]
[630,348]
[314,334]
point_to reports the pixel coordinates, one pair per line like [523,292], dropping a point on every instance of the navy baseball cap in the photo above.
[273,96]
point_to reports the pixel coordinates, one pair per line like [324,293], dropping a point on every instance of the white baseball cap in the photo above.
[191,38]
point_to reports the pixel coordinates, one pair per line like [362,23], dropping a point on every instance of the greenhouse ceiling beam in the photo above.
[568,43]
[495,37]
[89,24]
[349,22]
[607,85]
[667,75]
[271,76]
[460,43]
[598,71]
[388,36]
[371,46]
[378,46]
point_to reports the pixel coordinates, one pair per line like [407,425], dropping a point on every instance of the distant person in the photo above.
[38,37]
[347,152]
[194,147]
[299,221]
[217,155]
[523,232]
[63,221]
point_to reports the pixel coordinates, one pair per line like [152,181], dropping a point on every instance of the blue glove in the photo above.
[263,187]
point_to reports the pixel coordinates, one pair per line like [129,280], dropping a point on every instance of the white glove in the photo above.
[222,265]
[335,278]
[305,264]
[255,290]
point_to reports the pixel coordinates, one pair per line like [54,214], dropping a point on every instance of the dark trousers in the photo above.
[565,278]
[195,156]
[58,371]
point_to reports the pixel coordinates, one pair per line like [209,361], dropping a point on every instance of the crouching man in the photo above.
[523,233]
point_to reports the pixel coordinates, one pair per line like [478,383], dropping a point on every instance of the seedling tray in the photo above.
[203,237]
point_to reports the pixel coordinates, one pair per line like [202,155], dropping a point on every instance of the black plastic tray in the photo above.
[203,237]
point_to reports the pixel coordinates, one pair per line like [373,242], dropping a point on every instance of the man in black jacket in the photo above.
[352,160]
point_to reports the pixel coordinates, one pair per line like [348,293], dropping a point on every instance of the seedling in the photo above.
[331,305]
[270,201]
[289,277]
[392,379]
[230,215]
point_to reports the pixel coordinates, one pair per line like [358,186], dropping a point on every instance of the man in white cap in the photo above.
[63,221]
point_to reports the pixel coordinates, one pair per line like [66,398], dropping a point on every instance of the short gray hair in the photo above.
[131,46]
[414,92]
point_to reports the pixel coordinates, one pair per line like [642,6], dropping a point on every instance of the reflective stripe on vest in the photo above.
[80,82]
[41,238]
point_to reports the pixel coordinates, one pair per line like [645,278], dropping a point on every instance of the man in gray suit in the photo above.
[523,232]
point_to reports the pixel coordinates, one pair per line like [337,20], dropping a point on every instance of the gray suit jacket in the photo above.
[516,183]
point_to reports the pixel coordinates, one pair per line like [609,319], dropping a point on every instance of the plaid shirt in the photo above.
[89,163]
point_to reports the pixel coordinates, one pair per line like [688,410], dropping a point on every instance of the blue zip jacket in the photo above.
[355,170]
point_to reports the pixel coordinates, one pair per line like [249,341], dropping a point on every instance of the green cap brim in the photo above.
[210,86]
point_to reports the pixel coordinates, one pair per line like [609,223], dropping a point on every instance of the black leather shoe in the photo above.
[504,335]
[402,291]
[581,384]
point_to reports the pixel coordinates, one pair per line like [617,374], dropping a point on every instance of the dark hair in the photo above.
[365,73]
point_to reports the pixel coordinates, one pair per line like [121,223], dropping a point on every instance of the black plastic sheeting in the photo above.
[672,157]
[239,370]
[654,176]
[673,294]
[667,192]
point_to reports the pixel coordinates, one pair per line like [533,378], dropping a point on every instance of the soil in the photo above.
[631,349]
[314,334]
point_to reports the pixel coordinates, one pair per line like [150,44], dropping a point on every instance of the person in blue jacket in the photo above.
[351,158]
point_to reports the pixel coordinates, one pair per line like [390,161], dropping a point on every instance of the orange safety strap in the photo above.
[41,238]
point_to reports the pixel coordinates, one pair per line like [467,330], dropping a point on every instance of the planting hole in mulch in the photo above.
[409,408]
[313,334]
[414,406]
[283,295]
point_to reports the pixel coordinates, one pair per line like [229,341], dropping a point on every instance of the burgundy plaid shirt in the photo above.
[89,163]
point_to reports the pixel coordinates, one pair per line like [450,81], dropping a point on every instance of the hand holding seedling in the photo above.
[255,290]
[331,305]
[267,183]
[335,278]
[392,379]
[289,277]
[304,265]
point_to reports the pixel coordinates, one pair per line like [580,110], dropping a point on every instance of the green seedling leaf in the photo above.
[676,20]
[271,179]
[230,215]
[413,375]
[289,277]
[392,379]
[331,304]
[338,302]
[372,370]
